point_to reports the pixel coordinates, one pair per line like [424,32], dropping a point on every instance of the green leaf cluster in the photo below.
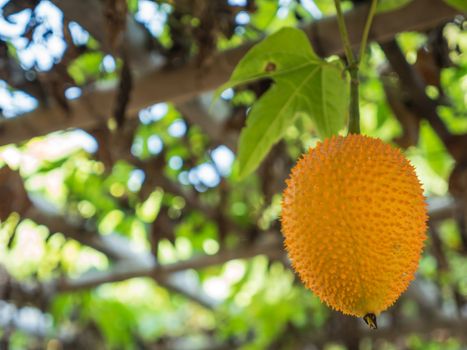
[303,84]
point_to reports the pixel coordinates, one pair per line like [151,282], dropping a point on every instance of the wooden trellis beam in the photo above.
[127,270]
[186,82]
[439,208]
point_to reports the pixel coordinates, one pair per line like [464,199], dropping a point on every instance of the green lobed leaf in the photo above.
[460,5]
[303,83]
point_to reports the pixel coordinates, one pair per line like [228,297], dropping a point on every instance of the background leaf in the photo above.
[458,4]
[391,5]
[304,83]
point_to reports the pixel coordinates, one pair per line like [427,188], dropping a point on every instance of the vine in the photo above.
[353,62]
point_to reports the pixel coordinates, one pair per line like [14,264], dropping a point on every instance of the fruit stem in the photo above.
[353,62]
[354,108]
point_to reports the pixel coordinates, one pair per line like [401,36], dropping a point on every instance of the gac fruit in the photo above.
[354,220]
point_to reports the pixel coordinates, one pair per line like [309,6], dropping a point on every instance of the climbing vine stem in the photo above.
[366,30]
[353,62]
[344,34]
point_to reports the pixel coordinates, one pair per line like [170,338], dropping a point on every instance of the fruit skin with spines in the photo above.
[354,221]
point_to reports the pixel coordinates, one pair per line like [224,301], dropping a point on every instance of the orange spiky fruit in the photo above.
[354,220]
